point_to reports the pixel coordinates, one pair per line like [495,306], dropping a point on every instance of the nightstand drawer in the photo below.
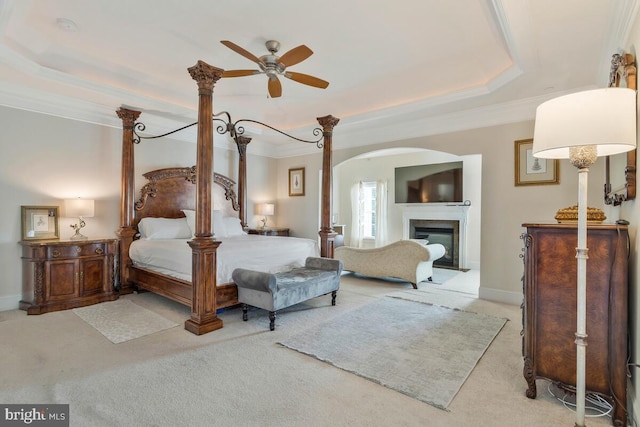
[73,251]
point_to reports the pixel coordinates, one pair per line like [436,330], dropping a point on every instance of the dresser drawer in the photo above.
[73,251]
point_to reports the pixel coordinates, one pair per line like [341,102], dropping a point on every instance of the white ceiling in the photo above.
[397,69]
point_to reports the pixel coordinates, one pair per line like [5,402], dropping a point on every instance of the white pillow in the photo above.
[216,222]
[191,220]
[233,226]
[164,228]
[219,226]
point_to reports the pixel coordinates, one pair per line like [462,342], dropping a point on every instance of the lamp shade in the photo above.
[605,118]
[79,207]
[265,209]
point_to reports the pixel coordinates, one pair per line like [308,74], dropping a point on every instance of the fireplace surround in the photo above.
[442,223]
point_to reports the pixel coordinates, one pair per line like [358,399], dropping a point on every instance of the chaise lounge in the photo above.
[405,259]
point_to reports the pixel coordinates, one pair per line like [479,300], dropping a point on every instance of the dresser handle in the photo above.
[55,253]
[78,250]
[99,251]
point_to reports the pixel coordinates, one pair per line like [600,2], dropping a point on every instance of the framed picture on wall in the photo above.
[296,182]
[40,223]
[531,170]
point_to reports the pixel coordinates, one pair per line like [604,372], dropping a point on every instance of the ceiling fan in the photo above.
[274,66]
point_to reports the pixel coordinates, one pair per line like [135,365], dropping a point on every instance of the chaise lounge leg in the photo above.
[415,285]
[333,297]
[272,318]
[245,308]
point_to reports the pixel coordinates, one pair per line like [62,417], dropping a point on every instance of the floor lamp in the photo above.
[581,127]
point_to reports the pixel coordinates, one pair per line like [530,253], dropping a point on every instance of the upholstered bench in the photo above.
[273,292]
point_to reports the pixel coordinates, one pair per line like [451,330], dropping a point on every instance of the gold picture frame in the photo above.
[531,170]
[40,223]
[296,182]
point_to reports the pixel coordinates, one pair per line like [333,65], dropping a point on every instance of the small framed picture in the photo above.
[40,223]
[296,182]
[531,170]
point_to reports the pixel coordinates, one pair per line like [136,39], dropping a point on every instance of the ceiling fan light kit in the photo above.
[274,66]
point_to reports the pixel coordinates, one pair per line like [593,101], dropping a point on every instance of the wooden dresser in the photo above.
[62,274]
[549,310]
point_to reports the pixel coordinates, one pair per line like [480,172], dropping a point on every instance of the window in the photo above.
[369,214]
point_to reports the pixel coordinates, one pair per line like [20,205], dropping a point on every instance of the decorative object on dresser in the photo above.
[265,209]
[40,223]
[580,127]
[81,208]
[296,182]
[273,231]
[570,214]
[549,313]
[58,275]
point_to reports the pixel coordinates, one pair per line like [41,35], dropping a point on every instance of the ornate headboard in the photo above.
[170,190]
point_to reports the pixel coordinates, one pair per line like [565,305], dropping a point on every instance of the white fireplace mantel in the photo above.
[439,211]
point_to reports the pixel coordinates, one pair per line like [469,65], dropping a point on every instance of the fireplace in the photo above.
[437,223]
[439,231]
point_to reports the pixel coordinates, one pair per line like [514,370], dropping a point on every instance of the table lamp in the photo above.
[81,208]
[266,209]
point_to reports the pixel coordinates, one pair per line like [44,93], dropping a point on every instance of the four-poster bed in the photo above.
[172,190]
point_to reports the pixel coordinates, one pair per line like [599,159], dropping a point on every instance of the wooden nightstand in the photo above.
[63,274]
[271,231]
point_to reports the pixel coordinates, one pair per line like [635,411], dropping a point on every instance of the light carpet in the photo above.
[421,350]
[123,320]
[441,275]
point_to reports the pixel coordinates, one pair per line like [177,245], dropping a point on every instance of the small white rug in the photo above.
[123,320]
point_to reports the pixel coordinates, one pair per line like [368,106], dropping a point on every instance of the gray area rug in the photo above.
[123,320]
[421,350]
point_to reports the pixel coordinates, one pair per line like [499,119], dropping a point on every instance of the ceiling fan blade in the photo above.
[307,79]
[234,47]
[295,55]
[239,73]
[275,87]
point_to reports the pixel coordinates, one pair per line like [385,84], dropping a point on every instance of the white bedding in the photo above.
[270,254]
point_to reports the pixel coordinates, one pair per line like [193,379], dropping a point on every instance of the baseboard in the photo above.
[11,302]
[498,295]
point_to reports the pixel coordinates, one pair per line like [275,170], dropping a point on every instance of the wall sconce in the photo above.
[265,209]
[81,208]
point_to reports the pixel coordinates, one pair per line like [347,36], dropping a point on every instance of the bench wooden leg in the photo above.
[272,318]
[333,297]
[245,308]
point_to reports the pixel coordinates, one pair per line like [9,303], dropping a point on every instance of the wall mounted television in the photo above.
[434,183]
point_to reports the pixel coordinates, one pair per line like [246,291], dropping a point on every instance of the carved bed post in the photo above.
[126,232]
[203,304]
[327,234]
[242,142]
